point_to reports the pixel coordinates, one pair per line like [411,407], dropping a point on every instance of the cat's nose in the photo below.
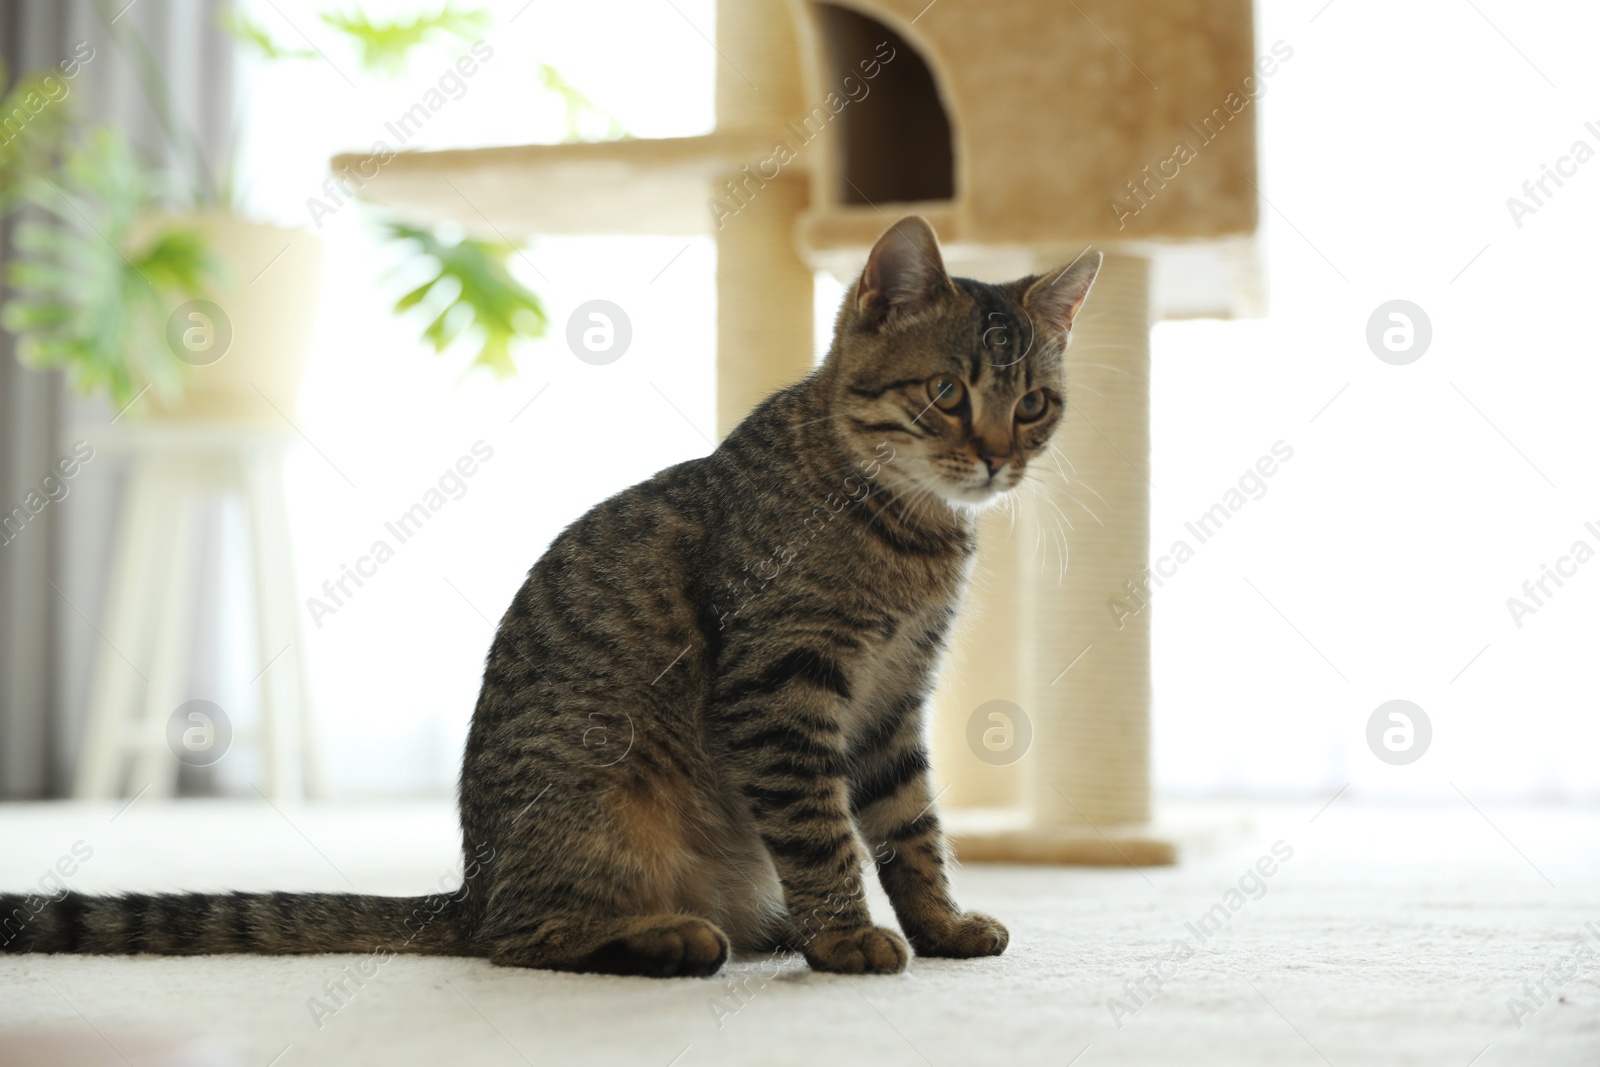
[992,459]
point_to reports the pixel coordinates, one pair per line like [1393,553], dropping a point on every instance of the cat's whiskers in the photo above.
[1113,346]
[1042,495]
[1102,366]
[1084,506]
[1079,481]
[1058,535]
[1062,457]
[1038,542]
[1009,502]
[851,467]
[911,510]
[927,498]
[822,418]
[1070,495]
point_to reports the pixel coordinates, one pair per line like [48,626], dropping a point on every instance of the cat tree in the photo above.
[1024,132]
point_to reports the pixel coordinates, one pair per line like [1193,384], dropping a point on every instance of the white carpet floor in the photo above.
[1391,936]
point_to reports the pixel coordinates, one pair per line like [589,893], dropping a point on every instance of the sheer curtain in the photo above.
[52,574]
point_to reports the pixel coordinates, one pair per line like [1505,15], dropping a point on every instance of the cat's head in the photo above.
[962,382]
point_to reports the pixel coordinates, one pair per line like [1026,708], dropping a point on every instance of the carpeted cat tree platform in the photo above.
[1024,132]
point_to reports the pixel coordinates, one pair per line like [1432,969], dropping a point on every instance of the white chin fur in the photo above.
[975,496]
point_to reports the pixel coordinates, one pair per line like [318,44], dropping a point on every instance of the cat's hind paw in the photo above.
[669,946]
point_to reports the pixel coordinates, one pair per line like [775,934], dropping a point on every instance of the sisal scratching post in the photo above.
[764,289]
[1093,734]
[1086,682]
[985,663]
[764,295]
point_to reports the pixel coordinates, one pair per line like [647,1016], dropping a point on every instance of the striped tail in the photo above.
[194,924]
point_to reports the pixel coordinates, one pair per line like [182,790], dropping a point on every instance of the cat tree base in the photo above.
[1108,846]
[1007,835]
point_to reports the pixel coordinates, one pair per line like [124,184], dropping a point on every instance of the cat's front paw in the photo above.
[869,950]
[963,937]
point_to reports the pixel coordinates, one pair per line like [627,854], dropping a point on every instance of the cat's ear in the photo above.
[1054,299]
[904,273]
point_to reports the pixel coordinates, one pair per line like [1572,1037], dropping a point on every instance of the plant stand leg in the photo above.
[287,739]
[117,684]
[155,766]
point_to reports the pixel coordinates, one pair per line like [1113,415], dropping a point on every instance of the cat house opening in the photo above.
[893,137]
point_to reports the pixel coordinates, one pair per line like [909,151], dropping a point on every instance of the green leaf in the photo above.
[89,296]
[385,47]
[37,112]
[413,298]
[582,114]
[471,294]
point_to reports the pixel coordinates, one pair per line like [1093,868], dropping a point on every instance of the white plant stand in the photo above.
[140,672]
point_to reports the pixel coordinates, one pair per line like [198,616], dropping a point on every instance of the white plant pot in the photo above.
[246,354]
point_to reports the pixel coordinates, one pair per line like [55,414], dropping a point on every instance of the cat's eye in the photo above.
[1031,406]
[946,392]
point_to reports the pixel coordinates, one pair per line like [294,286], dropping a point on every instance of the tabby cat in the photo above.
[708,695]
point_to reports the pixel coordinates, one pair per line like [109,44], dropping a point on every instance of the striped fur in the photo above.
[194,924]
[702,714]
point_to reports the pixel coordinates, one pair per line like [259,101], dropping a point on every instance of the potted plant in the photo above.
[154,289]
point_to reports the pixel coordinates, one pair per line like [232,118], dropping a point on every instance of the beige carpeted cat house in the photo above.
[1024,132]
